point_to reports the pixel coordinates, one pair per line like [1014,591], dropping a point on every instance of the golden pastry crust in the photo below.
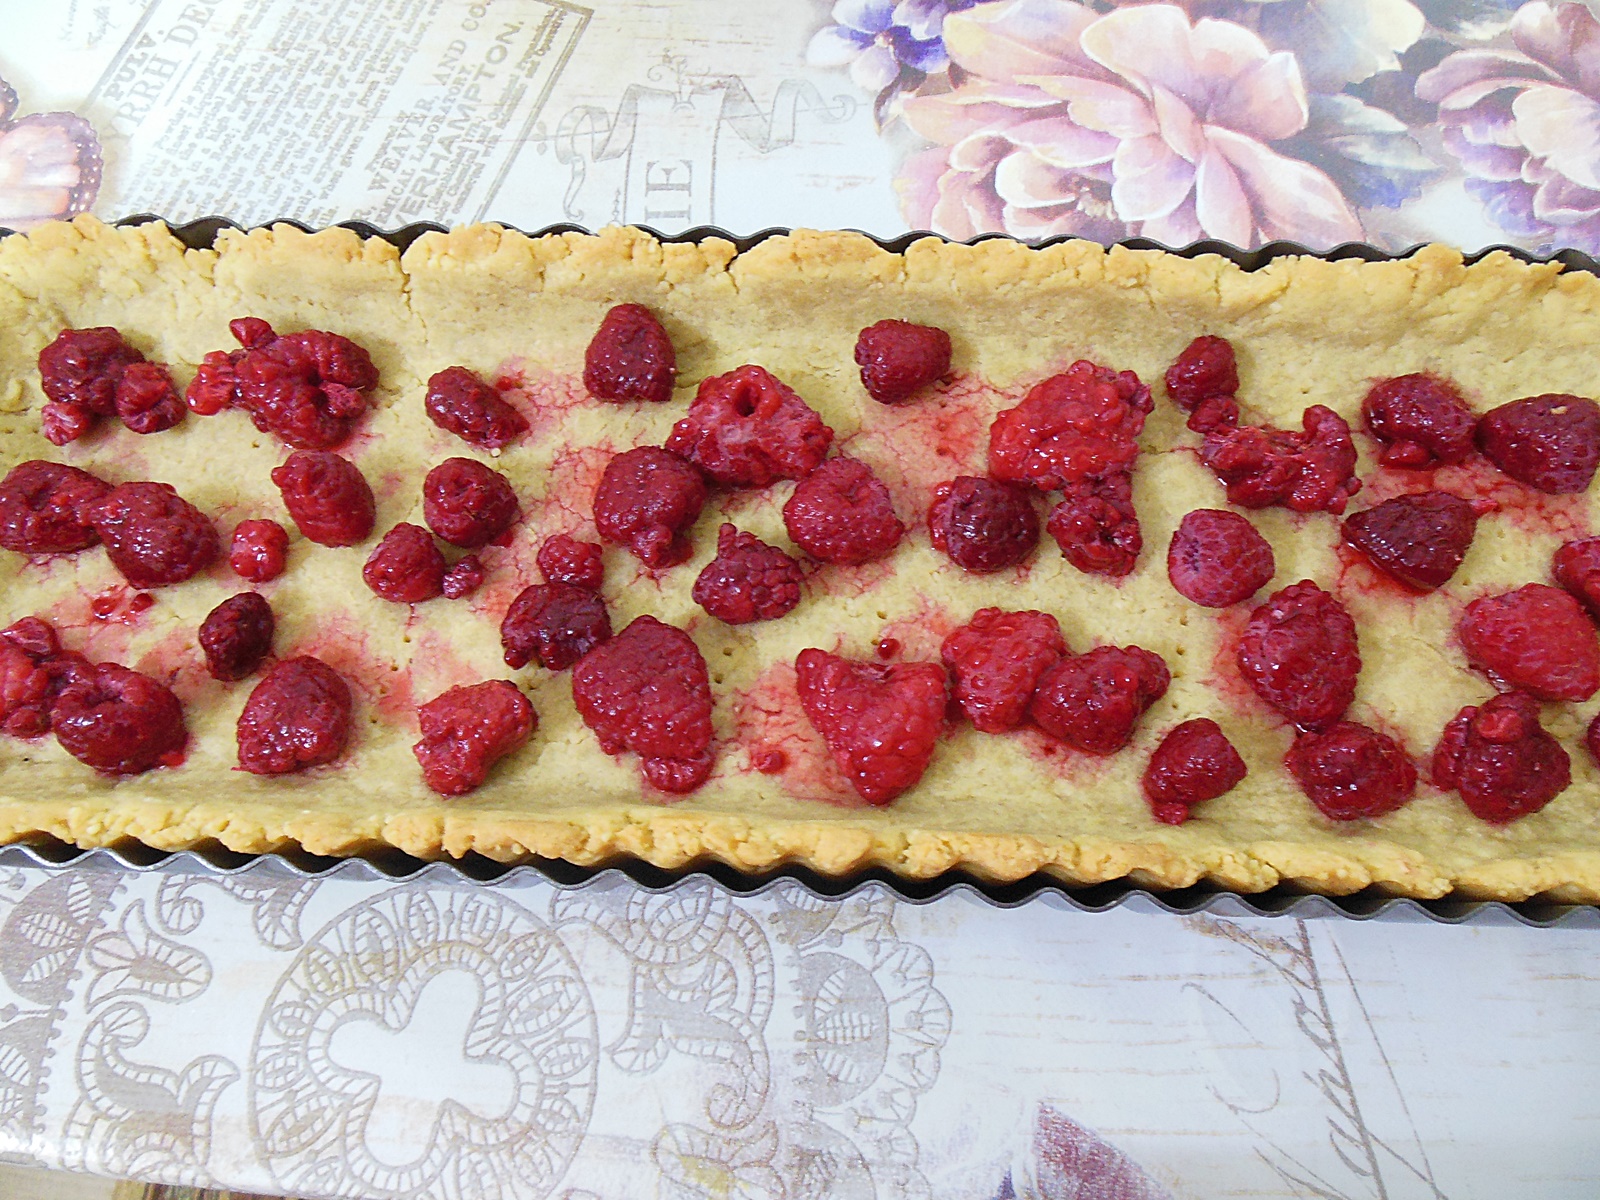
[1004,807]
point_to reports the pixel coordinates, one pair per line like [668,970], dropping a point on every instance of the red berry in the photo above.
[1420,539]
[1096,526]
[237,636]
[647,690]
[899,359]
[749,429]
[880,721]
[996,660]
[1206,368]
[1591,738]
[553,625]
[79,372]
[983,524]
[215,386]
[327,497]
[842,513]
[1350,771]
[748,580]
[260,550]
[630,357]
[1549,442]
[118,721]
[405,566]
[34,636]
[304,388]
[464,578]
[29,683]
[1535,638]
[467,730]
[647,498]
[146,400]
[1501,761]
[1299,653]
[1214,413]
[1311,471]
[153,535]
[566,560]
[45,508]
[1194,763]
[1074,426]
[460,403]
[1577,568]
[1092,701]
[467,503]
[298,716]
[63,423]
[1217,558]
[1421,420]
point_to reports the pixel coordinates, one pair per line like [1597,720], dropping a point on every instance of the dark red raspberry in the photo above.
[842,513]
[1420,539]
[1350,771]
[983,524]
[1535,638]
[748,580]
[460,403]
[118,721]
[467,503]
[1217,558]
[298,716]
[1549,442]
[1194,763]
[34,636]
[647,690]
[63,423]
[1298,651]
[899,359]
[748,429]
[880,721]
[1421,420]
[464,578]
[215,386]
[1206,368]
[1096,526]
[406,566]
[1591,738]
[327,497]
[1092,701]
[79,372]
[1214,414]
[647,498]
[153,535]
[45,508]
[28,684]
[996,660]
[1577,568]
[566,560]
[237,636]
[260,550]
[305,388]
[1074,426]
[252,332]
[553,625]
[146,400]
[630,357]
[1311,471]
[467,730]
[1501,761]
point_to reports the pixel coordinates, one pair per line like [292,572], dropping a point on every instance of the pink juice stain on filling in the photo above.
[542,397]
[929,439]
[383,683]
[780,742]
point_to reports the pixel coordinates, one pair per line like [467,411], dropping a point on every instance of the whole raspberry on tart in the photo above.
[1577,569]
[153,535]
[146,400]
[236,636]
[464,578]
[1093,701]
[406,567]
[119,722]
[564,559]
[82,374]
[297,716]
[33,671]
[749,429]
[982,524]
[1549,442]
[647,499]
[748,580]
[1419,539]
[1081,424]
[630,357]
[328,498]
[1195,762]
[1205,370]
[1309,471]
[466,730]
[843,513]
[996,661]
[459,402]
[1536,639]
[466,503]
[1420,420]
[1350,771]
[1501,760]
[1298,653]
[899,359]
[46,507]
[259,551]
[1217,558]
[1096,525]
[553,625]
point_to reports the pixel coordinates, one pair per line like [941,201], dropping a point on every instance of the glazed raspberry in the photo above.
[1535,638]
[215,385]
[880,722]
[28,684]
[34,636]
[1214,413]
[1080,424]
[1350,771]
[1421,420]
[45,507]
[1311,471]
[566,560]
[118,721]
[405,566]
[842,513]
[1206,368]
[79,372]
[469,729]
[749,429]
[630,357]
[1501,761]
[63,423]
[647,498]
[304,388]
[464,578]
[153,535]
[460,403]
[996,660]
[260,550]
[983,524]
[327,497]
[1577,568]
[146,400]
[1092,701]
[553,625]
[647,690]
[1549,442]
[1299,653]
[1217,558]
[466,503]
[1194,763]
[298,716]
[1420,539]
[899,359]
[1096,526]
[748,580]
[237,636]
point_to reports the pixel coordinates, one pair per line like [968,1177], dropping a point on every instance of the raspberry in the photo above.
[749,429]
[1096,527]
[146,400]
[567,560]
[260,550]
[899,359]
[1093,700]
[996,660]
[1591,738]
[1420,539]
[630,357]
[215,386]
[63,423]
[1549,442]
[79,372]
[460,403]
[880,722]
[983,524]
[748,580]
[1501,761]
[1535,638]
[464,578]
[1194,763]
[1421,421]
[304,388]
[298,716]
[467,503]
[153,535]
[327,497]
[1350,771]
[842,513]
[1074,426]
[1299,653]
[34,636]
[237,636]
[1577,568]
[1217,558]
[405,566]
[45,508]
[1206,368]
[28,684]
[647,690]
[118,721]
[1214,413]
[467,730]
[1312,471]
[647,498]
[554,625]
